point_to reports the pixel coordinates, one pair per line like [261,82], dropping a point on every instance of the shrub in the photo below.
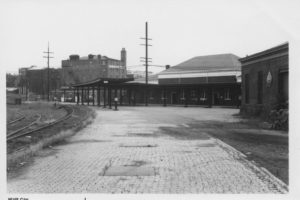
[279,119]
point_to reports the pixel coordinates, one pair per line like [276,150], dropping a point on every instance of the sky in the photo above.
[179,29]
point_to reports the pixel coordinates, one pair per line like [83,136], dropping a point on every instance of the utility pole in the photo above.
[147,60]
[48,61]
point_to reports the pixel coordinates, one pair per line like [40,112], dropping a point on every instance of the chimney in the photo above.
[74,57]
[91,56]
[123,57]
[167,66]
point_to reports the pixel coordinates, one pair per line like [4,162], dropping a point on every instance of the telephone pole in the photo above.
[48,63]
[147,60]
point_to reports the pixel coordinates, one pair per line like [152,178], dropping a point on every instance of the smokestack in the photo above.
[123,57]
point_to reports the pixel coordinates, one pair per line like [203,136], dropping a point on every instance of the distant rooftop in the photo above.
[152,79]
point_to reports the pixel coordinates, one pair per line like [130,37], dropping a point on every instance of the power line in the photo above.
[48,64]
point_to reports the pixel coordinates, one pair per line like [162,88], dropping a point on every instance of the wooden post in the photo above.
[77,96]
[209,97]
[129,96]
[64,96]
[121,96]
[88,96]
[109,96]
[93,88]
[82,96]
[74,94]
[165,96]
[98,95]
[198,96]
[186,97]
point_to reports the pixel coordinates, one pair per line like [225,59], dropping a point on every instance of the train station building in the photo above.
[204,80]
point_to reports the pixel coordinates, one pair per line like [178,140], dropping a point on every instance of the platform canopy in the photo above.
[103,81]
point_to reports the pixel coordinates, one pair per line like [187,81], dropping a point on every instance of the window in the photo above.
[203,96]
[259,87]
[227,94]
[182,95]
[283,86]
[151,95]
[247,89]
[193,93]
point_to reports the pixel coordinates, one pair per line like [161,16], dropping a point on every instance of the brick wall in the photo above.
[80,71]
[270,93]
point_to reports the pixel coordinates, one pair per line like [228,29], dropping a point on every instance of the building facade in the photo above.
[265,81]
[212,79]
[204,80]
[83,69]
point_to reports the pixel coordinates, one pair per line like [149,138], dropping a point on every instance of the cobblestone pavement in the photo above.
[125,152]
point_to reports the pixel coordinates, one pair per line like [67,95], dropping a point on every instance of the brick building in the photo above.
[265,81]
[83,69]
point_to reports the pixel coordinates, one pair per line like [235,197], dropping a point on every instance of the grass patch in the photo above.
[267,150]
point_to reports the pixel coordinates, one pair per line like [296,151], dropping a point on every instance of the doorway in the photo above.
[174,99]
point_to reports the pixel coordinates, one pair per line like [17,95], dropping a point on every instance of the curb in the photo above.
[280,185]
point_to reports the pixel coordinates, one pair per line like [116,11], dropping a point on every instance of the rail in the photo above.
[15,134]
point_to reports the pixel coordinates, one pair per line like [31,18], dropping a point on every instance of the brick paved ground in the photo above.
[125,152]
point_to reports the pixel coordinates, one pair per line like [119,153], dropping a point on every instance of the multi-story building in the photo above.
[35,81]
[78,69]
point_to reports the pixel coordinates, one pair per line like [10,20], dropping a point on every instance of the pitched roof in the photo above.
[209,63]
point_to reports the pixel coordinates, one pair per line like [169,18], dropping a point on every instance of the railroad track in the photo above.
[21,123]
[28,126]
[16,120]
[34,127]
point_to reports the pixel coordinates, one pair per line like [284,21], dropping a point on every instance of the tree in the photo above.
[11,80]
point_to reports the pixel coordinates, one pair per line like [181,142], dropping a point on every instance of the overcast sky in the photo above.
[180,29]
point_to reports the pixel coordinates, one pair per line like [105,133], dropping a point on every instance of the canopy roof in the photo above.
[102,81]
